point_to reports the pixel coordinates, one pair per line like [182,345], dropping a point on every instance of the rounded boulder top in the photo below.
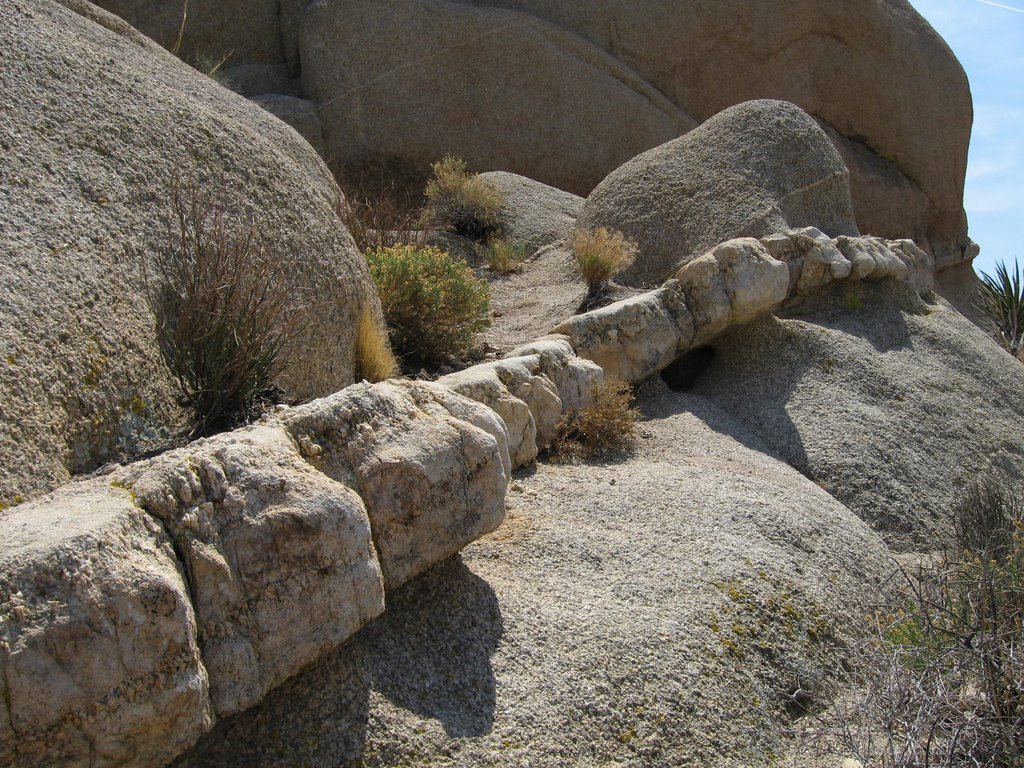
[754,169]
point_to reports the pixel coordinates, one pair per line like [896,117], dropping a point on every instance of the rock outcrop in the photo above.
[534,214]
[139,606]
[99,654]
[98,123]
[752,170]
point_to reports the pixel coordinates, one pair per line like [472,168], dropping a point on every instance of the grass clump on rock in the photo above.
[224,310]
[434,305]
[605,427]
[462,202]
[600,255]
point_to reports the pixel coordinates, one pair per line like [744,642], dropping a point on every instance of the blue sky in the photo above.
[988,39]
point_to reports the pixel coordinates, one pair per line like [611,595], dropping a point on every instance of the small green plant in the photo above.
[504,257]
[462,201]
[942,678]
[434,305]
[374,359]
[225,308]
[1001,299]
[604,427]
[600,255]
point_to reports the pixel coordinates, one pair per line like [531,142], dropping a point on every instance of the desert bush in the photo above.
[462,202]
[942,678]
[1001,299]
[600,255]
[504,257]
[224,307]
[604,427]
[433,305]
[374,359]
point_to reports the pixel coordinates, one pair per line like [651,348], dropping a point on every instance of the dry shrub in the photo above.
[605,427]
[434,305]
[941,679]
[380,219]
[225,308]
[505,258]
[374,359]
[601,254]
[462,202]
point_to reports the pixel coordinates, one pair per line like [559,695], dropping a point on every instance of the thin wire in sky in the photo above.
[1000,5]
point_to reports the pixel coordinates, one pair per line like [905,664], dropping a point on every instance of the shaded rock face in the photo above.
[755,169]
[97,123]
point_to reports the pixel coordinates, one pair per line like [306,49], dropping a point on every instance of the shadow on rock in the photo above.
[429,653]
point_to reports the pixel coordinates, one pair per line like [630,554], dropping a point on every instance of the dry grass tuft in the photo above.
[601,254]
[505,258]
[605,427]
[374,359]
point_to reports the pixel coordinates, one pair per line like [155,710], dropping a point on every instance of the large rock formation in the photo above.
[98,122]
[496,87]
[754,169]
[565,92]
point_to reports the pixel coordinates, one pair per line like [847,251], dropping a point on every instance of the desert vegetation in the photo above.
[433,304]
[940,681]
[603,428]
[224,308]
[505,258]
[462,202]
[1001,299]
[600,255]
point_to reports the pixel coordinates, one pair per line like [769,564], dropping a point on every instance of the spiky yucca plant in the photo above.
[1001,298]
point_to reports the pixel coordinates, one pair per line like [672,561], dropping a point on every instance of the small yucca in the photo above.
[1001,298]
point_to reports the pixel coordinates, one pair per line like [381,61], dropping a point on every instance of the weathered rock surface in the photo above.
[466,79]
[97,123]
[278,556]
[518,391]
[888,403]
[899,92]
[535,214]
[432,482]
[752,170]
[98,652]
[603,624]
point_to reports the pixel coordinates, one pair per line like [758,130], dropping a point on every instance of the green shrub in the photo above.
[504,257]
[942,681]
[605,427]
[462,201]
[433,304]
[1001,299]
[600,255]
[224,309]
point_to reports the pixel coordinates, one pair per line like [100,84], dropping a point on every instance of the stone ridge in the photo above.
[186,587]
[732,284]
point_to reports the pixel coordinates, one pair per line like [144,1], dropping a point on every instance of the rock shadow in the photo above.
[429,653]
